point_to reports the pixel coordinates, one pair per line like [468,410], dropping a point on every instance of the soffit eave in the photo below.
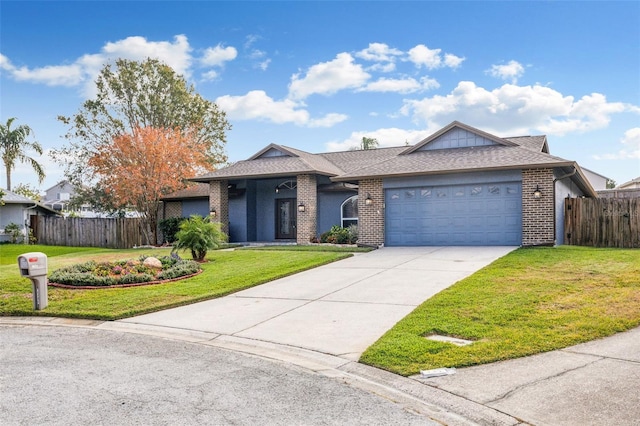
[348,178]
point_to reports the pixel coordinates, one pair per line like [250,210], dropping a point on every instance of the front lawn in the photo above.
[225,272]
[532,300]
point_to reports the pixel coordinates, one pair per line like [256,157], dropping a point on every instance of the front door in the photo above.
[286,218]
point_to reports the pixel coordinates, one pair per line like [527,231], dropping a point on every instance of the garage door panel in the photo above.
[476,214]
[494,221]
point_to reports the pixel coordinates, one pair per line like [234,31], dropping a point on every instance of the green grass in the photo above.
[530,301]
[225,273]
[323,248]
[9,252]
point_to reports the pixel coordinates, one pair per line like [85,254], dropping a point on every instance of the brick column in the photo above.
[538,214]
[219,202]
[371,217]
[308,219]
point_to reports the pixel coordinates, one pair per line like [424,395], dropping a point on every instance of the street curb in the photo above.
[439,405]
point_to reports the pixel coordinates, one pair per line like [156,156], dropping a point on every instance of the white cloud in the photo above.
[264,64]
[210,75]
[631,150]
[379,52]
[387,137]
[406,85]
[250,40]
[257,54]
[5,63]
[327,78]
[382,67]
[85,69]
[631,138]
[422,56]
[513,110]
[53,75]
[176,55]
[453,61]
[217,56]
[328,120]
[511,71]
[257,105]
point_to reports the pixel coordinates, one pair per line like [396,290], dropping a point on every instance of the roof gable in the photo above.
[272,150]
[457,135]
[534,143]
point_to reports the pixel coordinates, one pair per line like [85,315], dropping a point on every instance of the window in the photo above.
[349,212]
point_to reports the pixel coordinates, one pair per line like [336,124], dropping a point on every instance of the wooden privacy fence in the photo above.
[90,232]
[602,222]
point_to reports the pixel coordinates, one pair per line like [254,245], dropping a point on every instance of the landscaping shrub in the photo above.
[122,272]
[340,235]
[170,227]
[14,232]
[198,235]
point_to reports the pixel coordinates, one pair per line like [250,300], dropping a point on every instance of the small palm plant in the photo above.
[199,235]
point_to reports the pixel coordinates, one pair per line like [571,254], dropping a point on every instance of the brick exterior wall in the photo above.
[371,218]
[219,201]
[172,209]
[307,194]
[538,221]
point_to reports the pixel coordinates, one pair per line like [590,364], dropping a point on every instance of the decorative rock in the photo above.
[152,262]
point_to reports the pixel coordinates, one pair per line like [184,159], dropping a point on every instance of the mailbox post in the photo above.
[34,266]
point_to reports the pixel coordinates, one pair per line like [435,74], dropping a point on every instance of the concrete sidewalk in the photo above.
[594,383]
[338,309]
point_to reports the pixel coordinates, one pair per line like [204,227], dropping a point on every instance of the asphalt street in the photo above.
[81,376]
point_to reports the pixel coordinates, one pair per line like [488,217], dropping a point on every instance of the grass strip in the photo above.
[224,273]
[315,248]
[532,300]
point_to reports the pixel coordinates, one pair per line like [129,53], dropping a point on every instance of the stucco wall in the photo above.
[329,209]
[11,213]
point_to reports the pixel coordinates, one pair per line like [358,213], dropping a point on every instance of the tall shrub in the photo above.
[198,235]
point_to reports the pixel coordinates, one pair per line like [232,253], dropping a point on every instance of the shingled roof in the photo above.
[479,158]
[509,153]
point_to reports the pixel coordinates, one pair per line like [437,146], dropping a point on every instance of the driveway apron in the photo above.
[338,309]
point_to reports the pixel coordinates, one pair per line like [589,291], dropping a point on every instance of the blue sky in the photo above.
[319,76]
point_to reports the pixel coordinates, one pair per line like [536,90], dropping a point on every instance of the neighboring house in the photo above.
[629,189]
[59,196]
[597,181]
[460,186]
[632,184]
[20,210]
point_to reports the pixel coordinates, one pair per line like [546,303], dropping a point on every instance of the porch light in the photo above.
[537,193]
[213,213]
[277,189]
[368,201]
[301,207]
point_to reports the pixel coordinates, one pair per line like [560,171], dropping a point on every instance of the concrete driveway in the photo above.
[338,309]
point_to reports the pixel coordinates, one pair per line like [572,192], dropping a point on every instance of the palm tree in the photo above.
[13,145]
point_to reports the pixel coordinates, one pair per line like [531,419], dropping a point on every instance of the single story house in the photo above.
[459,186]
[19,210]
[632,184]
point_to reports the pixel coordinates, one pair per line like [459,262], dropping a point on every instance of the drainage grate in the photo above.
[448,339]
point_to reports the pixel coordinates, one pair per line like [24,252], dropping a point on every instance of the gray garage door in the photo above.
[467,215]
